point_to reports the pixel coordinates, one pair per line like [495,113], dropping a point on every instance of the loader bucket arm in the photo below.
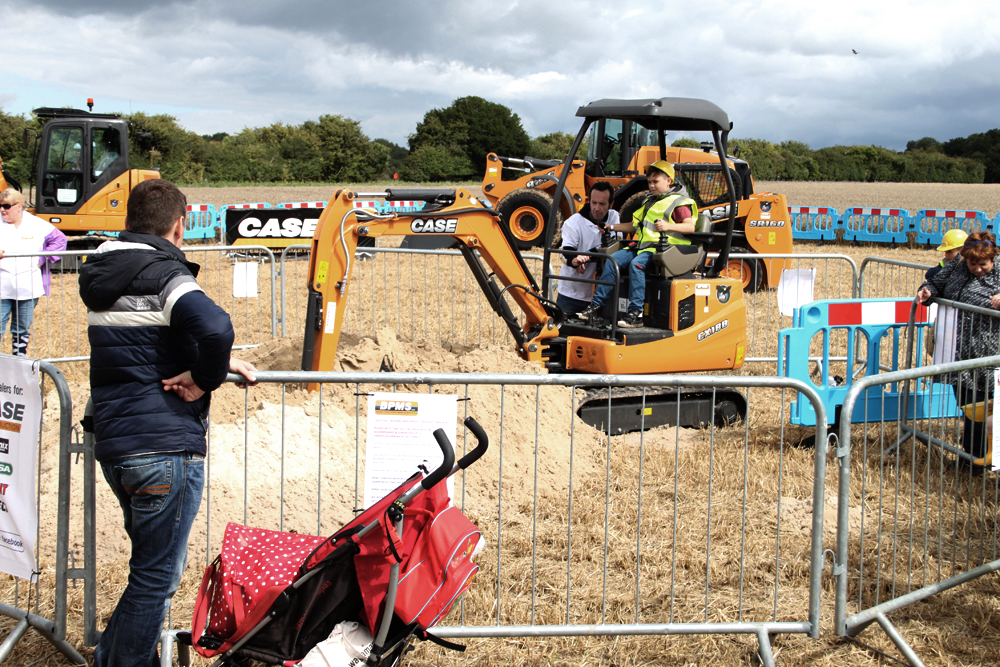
[454,213]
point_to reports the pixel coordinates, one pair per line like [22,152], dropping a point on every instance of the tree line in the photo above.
[451,144]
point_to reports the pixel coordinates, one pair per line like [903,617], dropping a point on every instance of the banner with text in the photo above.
[20,419]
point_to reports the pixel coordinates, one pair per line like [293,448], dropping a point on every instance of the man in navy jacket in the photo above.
[159,346]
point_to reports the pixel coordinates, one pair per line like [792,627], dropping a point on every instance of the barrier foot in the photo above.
[764,651]
[905,434]
[43,626]
[898,640]
[931,440]
[168,640]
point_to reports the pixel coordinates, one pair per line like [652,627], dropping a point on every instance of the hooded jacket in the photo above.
[148,320]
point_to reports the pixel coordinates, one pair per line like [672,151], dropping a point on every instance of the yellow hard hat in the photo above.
[953,238]
[663,166]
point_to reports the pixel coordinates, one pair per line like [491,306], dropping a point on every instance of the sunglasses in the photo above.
[7,207]
[972,244]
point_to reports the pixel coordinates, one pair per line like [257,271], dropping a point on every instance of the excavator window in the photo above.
[64,166]
[105,148]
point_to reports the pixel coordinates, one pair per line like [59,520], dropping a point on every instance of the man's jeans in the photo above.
[159,495]
[20,327]
[636,266]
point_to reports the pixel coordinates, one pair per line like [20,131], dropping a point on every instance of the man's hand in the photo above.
[580,263]
[244,368]
[183,386]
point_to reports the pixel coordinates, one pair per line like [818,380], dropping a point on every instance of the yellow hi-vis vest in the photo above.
[645,218]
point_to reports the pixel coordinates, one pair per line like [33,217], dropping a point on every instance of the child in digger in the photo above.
[667,210]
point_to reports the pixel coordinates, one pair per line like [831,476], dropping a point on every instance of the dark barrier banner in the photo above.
[273,228]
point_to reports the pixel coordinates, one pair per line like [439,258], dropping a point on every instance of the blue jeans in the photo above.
[20,327]
[159,495]
[636,267]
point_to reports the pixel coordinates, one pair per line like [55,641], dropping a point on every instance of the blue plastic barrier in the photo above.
[931,224]
[390,206]
[241,206]
[880,323]
[202,222]
[876,225]
[818,223]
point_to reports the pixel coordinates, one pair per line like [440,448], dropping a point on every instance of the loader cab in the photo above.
[612,146]
[79,154]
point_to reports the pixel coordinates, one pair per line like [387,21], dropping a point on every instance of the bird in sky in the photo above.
[854,52]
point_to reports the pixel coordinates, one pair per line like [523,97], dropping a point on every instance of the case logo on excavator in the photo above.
[714,329]
[434,225]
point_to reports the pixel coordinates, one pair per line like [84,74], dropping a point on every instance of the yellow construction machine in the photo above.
[618,151]
[694,317]
[83,177]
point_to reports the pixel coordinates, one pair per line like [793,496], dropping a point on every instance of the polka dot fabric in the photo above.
[253,560]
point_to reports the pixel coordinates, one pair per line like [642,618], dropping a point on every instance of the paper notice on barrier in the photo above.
[400,438]
[945,328]
[795,289]
[245,279]
[20,417]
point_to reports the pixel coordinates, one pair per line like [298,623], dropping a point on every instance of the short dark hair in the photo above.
[604,186]
[979,246]
[154,206]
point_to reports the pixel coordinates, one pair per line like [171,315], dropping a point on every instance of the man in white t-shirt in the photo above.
[582,233]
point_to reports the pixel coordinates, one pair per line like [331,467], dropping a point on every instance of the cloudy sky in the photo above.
[782,69]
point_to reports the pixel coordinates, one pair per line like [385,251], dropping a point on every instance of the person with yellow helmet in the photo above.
[951,246]
[667,210]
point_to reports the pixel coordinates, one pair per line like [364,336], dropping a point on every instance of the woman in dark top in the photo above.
[975,281]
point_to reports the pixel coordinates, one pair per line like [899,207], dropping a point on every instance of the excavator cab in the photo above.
[678,274]
[82,170]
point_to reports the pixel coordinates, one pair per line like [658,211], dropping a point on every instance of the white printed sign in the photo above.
[400,438]
[795,289]
[20,418]
[244,279]
[945,327]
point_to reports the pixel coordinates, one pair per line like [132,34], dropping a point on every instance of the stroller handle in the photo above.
[447,464]
[483,443]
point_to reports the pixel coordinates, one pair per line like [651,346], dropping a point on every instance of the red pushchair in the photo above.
[397,568]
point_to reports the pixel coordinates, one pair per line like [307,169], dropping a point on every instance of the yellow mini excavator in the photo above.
[694,318]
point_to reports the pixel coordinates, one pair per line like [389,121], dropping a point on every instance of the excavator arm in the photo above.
[481,238]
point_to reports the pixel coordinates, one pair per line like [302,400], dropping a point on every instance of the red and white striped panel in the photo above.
[402,204]
[874,211]
[246,206]
[822,210]
[305,204]
[197,208]
[951,214]
[365,204]
[874,312]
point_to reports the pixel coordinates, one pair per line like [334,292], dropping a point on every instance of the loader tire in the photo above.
[526,212]
[747,270]
[631,205]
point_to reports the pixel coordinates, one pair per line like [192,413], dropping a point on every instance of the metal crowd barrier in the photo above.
[389,289]
[59,329]
[586,535]
[927,520]
[889,278]
[43,603]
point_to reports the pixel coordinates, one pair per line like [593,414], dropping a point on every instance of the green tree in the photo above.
[397,154]
[475,127]
[686,142]
[925,144]
[552,146]
[16,159]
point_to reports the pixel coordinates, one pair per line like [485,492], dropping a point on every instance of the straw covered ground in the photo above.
[655,500]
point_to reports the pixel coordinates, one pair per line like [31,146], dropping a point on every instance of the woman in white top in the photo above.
[23,279]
